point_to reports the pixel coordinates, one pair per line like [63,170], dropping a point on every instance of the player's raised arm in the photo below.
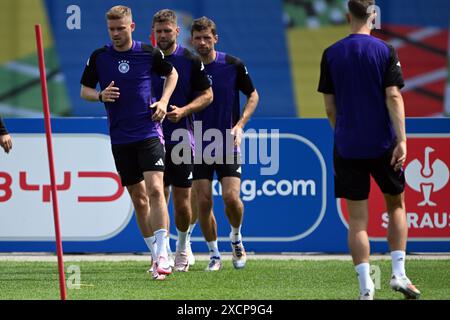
[202,85]
[200,102]
[161,106]
[204,94]
[110,94]
[169,85]
[163,68]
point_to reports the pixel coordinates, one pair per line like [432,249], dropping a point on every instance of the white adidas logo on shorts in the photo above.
[160,163]
[190,176]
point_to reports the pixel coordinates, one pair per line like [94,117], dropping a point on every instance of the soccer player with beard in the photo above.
[192,94]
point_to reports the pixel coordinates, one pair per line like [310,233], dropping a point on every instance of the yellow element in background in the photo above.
[17,20]
[305,48]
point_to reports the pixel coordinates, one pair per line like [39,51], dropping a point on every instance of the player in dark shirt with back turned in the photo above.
[223,117]
[123,68]
[361,79]
[192,94]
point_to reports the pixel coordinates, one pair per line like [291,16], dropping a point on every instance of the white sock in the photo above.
[151,244]
[398,263]
[213,249]
[169,250]
[191,228]
[189,234]
[365,282]
[181,243]
[235,234]
[161,239]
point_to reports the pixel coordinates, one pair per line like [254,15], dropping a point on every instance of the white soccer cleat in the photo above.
[367,295]
[163,266]
[215,264]
[404,285]
[155,275]
[171,260]
[239,256]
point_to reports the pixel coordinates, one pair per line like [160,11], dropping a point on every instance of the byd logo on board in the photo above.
[427,193]
[92,203]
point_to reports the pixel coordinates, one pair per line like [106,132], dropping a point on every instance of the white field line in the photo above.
[45,257]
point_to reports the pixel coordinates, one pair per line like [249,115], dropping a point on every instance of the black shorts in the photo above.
[352,176]
[230,168]
[178,175]
[133,159]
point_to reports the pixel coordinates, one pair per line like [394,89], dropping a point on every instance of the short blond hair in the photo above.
[118,12]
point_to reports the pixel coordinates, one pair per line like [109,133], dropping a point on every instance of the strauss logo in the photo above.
[425,178]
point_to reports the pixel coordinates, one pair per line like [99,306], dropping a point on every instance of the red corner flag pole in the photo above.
[48,133]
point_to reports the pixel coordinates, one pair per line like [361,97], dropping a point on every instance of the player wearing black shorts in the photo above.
[361,79]
[192,94]
[229,76]
[123,69]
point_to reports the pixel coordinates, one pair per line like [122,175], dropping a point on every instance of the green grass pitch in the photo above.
[260,280]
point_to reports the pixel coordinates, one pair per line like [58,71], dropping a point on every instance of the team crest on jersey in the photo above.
[124,66]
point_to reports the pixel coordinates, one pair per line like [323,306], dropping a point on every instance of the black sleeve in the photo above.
[3,129]
[394,75]
[199,78]
[244,82]
[326,82]
[160,65]
[90,76]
